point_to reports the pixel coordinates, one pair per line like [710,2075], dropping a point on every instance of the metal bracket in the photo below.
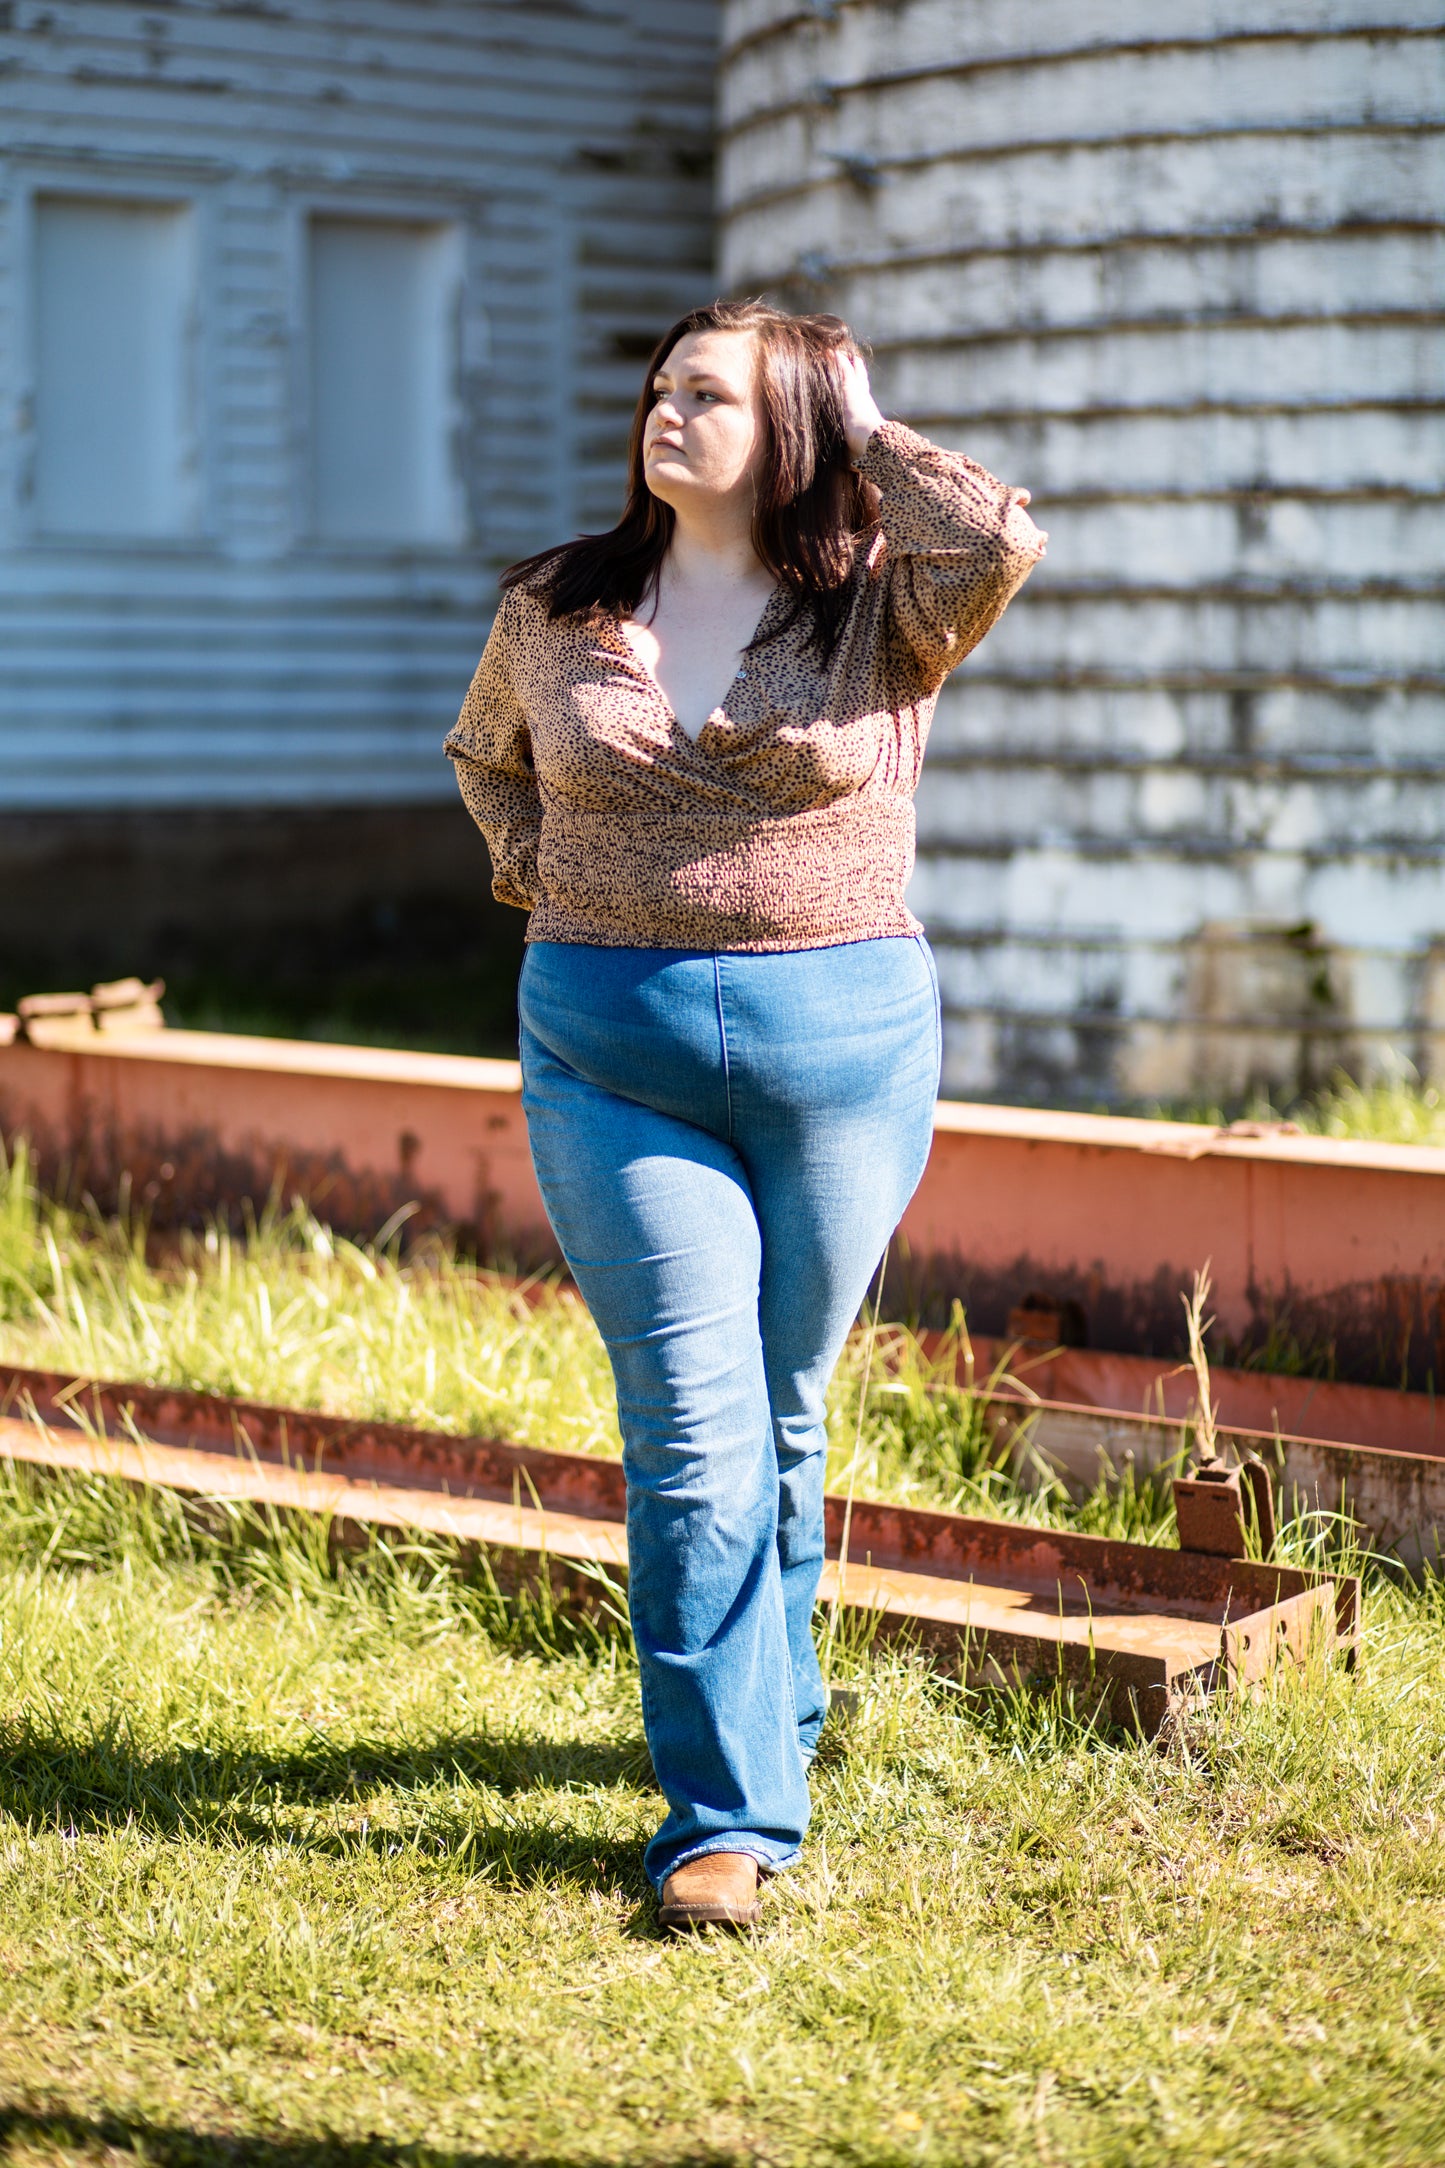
[1217,1508]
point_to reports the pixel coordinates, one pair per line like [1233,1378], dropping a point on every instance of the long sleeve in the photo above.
[788,822]
[491,747]
[957,545]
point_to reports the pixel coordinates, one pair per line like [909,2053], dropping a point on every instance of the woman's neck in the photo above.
[702,555]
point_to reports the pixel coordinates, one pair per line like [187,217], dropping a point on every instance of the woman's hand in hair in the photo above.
[860,409]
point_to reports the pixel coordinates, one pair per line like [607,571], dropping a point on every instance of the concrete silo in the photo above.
[1181,272]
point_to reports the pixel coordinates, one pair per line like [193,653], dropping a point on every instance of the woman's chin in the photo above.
[668,479]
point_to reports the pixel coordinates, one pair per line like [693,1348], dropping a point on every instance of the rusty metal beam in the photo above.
[1244,1400]
[1141,1627]
[1394,1502]
[1343,1241]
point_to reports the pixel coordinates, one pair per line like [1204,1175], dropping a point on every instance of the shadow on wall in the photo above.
[369,923]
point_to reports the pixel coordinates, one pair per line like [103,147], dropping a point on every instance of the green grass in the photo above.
[315,1857]
[1397,1110]
[1400,1108]
[337,1861]
[294,1314]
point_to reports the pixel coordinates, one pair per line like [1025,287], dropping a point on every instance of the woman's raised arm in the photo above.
[958,542]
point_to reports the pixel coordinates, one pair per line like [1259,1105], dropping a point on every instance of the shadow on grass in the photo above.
[402,1798]
[160,2145]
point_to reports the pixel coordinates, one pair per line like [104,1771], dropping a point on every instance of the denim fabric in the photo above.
[724,1143]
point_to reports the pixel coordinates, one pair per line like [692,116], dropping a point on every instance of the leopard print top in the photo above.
[788,823]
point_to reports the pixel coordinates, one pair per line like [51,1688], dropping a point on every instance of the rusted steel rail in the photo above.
[1393,1504]
[1140,1627]
[1337,1244]
[1103,1219]
[1065,1412]
[1245,1400]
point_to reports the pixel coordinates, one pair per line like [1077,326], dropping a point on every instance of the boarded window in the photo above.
[383,306]
[114,449]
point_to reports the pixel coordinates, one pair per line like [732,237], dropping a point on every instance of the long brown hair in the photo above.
[813,511]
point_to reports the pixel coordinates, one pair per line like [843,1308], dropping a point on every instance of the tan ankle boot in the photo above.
[718,1890]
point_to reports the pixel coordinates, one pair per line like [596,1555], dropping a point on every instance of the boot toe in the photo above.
[718,1890]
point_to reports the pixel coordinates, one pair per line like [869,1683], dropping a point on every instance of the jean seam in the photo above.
[722,1032]
[937,991]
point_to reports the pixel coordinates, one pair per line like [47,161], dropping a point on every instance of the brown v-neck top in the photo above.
[788,823]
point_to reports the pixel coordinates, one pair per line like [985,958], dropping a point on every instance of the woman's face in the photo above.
[704,435]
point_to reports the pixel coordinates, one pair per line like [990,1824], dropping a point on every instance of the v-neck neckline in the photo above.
[646,671]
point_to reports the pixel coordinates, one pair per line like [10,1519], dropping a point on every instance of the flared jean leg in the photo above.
[658,1225]
[802,1342]
[833,1117]
[724,1144]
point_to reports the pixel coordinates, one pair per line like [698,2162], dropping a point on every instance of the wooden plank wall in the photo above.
[1182,272]
[570,143]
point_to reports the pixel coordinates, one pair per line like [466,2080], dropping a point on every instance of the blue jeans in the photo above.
[724,1144]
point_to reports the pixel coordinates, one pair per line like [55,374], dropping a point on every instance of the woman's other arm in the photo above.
[958,542]
[491,747]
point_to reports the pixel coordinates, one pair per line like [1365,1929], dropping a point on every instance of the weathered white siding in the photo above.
[249,648]
[1181,272]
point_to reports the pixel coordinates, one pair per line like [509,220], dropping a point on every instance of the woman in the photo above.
[692,746]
